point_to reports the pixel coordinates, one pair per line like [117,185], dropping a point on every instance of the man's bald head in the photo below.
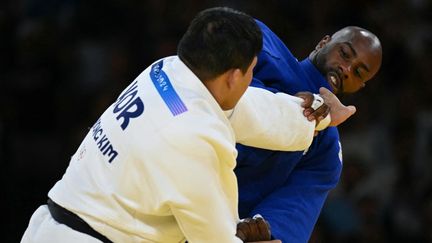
[348,59]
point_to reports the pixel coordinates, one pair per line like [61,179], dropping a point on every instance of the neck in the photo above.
[218,88]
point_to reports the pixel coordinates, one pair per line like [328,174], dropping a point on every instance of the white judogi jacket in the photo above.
[158,164]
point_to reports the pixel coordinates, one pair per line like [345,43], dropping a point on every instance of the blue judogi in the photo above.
[288,188]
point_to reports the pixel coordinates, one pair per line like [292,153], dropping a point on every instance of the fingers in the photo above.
[352,109]
[263,228]
[325,92]
[307,97]
[309,112]
[253,229]
[332,105]
[338,111]
[243,229]
[327,95]
[319,113]
[341,113]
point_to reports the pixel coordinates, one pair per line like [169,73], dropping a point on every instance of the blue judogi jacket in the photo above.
[288,188]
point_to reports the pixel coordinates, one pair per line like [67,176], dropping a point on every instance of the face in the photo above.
[240,83]
[348,59]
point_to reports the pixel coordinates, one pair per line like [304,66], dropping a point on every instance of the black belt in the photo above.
[64,216]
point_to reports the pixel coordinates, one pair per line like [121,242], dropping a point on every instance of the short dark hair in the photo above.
[219,39]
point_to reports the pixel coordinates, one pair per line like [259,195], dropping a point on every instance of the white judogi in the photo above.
[158,164]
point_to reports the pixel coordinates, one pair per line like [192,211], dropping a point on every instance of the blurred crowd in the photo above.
[62,62]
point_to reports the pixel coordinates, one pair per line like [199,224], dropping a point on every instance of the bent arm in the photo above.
[293,209]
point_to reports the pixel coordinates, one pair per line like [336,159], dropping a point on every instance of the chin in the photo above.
[227,108]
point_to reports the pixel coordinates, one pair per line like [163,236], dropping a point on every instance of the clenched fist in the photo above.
[253,229]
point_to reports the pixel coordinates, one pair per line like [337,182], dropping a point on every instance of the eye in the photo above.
[344,54]
[357,72]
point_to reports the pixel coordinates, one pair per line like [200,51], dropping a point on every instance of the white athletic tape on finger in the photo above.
[257,216]
[317,102]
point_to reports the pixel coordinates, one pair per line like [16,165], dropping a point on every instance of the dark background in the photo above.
[62,62]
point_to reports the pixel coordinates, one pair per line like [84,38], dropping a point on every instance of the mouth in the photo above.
[334,81]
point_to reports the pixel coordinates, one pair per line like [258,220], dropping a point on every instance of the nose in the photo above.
[345,70]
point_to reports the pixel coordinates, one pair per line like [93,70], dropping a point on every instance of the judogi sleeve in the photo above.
[198,182]
[271,121]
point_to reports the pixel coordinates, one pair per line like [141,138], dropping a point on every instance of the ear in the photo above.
[323,42]
[235,76]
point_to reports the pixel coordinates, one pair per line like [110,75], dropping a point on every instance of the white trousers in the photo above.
[44,229]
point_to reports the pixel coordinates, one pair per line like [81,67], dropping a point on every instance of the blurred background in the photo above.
[62,62]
